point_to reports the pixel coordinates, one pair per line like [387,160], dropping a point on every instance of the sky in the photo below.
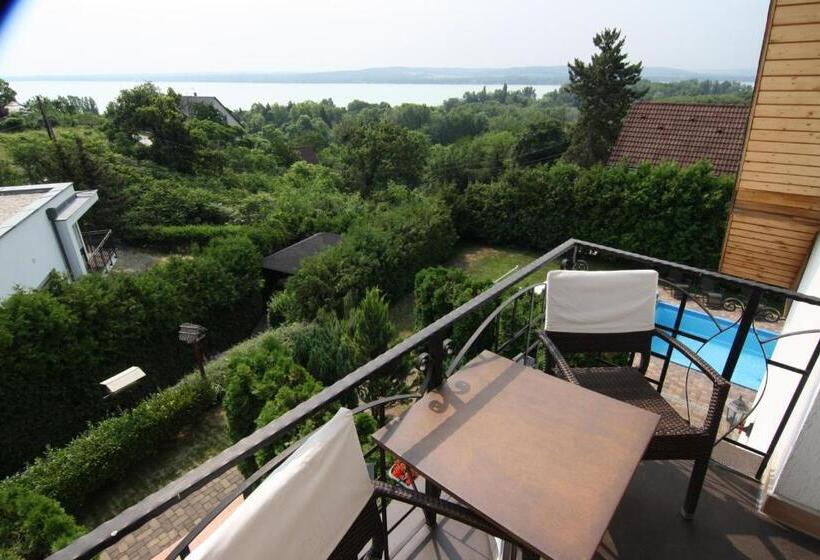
[75,37]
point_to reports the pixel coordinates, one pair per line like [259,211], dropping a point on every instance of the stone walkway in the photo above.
[166,529]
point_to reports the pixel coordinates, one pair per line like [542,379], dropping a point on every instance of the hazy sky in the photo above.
[46,37]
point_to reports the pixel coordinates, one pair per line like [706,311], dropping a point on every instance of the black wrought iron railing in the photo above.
[512,335]
[100,252]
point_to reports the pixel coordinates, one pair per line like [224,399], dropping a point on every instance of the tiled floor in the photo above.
[164,530]
[645,526]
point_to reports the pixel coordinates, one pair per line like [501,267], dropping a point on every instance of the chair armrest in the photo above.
[721,386]
[445,508]
[561,367]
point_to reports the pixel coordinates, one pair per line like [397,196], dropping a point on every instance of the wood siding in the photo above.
[776,207]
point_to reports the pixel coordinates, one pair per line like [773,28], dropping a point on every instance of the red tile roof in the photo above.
[684,133]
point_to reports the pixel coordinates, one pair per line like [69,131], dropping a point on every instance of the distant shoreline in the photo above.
[535,75]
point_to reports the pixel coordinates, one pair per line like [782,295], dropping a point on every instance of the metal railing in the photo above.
[100,253]
[431,345]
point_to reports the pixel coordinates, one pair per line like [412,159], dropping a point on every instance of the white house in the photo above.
[39,232]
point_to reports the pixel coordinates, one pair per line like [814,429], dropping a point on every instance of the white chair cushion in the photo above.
[305,507]
[615,301]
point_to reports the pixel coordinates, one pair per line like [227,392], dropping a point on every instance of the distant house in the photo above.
[40,232]
[684,133]
[307,153]
[187,102]
[13,107]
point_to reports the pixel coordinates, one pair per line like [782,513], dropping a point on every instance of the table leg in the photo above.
[433,491]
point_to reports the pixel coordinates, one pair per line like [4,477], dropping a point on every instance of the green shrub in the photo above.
[263,383]
[666,211]
[31,525]
[100,455]
[176,239]
[383,249]
[440,290]
[57,344]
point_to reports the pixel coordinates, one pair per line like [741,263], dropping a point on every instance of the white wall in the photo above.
[794,470]
[28,252]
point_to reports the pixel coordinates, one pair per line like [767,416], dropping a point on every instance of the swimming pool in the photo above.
[751,367]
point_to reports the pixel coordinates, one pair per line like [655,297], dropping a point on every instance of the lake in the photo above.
[241,95]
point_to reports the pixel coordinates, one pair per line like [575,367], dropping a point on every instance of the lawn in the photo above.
[480,261]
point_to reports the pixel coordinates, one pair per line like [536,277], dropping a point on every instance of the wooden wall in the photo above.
[776,207]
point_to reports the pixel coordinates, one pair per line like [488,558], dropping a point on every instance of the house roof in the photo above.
[290,258]
[186,101]
[18,203]
[308,154]
[684,133]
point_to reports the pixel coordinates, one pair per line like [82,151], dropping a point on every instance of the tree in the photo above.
[7,95]
[382,152]
[604,89]
[542,142]
[145,111]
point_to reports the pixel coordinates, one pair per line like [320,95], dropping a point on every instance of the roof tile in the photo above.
[684,133]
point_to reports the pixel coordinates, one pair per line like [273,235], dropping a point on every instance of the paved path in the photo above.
[164,530]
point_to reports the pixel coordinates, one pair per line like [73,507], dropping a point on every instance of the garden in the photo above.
[434,204]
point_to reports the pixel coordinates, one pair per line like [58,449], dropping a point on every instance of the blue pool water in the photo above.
[752,364]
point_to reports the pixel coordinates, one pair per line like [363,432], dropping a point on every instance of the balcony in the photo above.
[646,523]
[100,252]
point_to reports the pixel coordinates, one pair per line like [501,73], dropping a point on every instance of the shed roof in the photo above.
[684,133]
[289,259]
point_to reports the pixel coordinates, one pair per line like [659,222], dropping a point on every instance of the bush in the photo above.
[383,249]
[100,455]
[180,239]
[440,290]
[31,525]
[331,347]
[666,211]
[262,384]
[57,344]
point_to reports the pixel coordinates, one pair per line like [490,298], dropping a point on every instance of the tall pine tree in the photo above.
[604,88]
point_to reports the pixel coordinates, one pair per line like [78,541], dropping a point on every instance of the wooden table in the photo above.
[545,460]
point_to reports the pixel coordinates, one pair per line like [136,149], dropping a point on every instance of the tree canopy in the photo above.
[604,89]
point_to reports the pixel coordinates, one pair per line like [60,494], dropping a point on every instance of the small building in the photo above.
[40,232]
[684,133]
[13,108]
[307,154]
[187,103]
[287,261]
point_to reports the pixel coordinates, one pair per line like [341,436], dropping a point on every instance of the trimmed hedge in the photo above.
[31,525]
[100,455]
[57,344]
[665,211]
[383,249]
[180,239]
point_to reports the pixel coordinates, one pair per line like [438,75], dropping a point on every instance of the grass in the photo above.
[191,448]
[479,261]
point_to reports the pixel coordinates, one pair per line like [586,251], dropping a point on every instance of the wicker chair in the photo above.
[367,530]
[675,437]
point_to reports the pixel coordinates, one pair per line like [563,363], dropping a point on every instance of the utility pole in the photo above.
[45,120]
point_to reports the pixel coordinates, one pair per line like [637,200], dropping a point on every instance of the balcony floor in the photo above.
[646,525]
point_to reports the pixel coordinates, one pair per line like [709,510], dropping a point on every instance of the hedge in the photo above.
[665,211]
[71,474]
[31,525]
[439,290]
[180,239]
[384,249]
[58,343]
[112,446]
